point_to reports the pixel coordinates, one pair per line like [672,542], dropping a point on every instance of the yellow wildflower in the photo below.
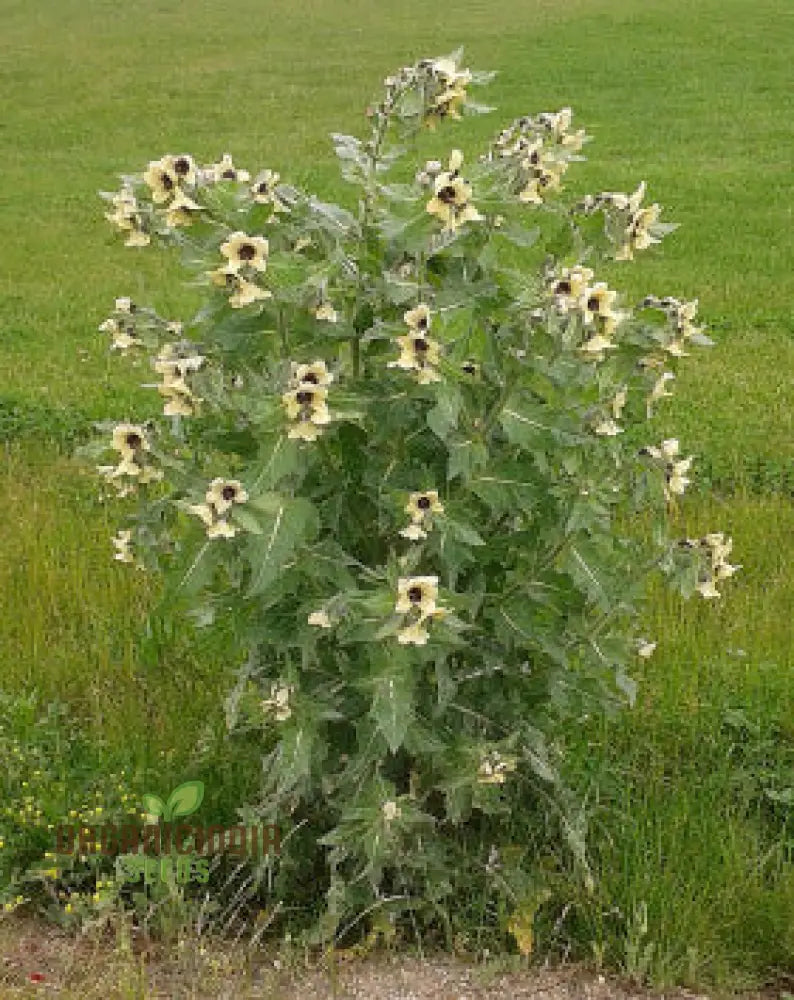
[308,409]
[263,190]
[225,170]
[451,201]
[242,250]
[162,180]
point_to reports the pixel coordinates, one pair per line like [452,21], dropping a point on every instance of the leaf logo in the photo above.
[183,801]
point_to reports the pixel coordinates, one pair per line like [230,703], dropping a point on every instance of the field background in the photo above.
[691,95]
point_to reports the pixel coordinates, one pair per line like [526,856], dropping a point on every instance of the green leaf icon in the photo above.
[153,805]
[185,799]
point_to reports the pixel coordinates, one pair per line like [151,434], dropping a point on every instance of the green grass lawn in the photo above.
[690,96]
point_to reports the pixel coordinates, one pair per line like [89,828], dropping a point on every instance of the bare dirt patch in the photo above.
[36,960]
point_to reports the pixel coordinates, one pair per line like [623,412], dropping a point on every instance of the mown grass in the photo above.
[688,96]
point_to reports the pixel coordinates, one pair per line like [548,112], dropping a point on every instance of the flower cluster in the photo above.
[126,216]
[219,500]
[630,226]
[421,507]
[593,304]
[278,702]
[675,480]
[132,444]
[416,602]
[442,83]
[134,327]
[176,363]
[418,352]
[680,326]
[606,423]
[171,181]
[494,768]
[539,150]
[305,402]
[246,259]
[451,201]
[122,326]
[715,549]
[264,191]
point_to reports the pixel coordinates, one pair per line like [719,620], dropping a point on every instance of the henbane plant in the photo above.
[390,460]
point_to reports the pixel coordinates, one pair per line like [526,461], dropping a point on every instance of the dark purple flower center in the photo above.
[593,303]
[247,251]
[421,345]
[311,378]
[563,287]
[415,595]
[229,174]
[182,166]
[133,440]
[166,181]
[423,503]
[229,493]
[447,194]
[304,397]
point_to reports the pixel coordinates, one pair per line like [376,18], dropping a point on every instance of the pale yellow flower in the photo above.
[619,402]
[451,201]
[314,374]
[607,428]
[494,769]
[137,238]
[242,250]
[130,440]
[707,589]
[413,635]
[121,542]
[645,648]
[418,354]
[278,702]
[658,392]
[417,593]
[676,481]
[325,311]
[181,210]
[306,406]
[225,170]
[596,346]
[597,303]
[263,190]
[418,318]
[124,335]
[126,217]
[570,288]
[184,166]
[162,180]
[415,532]
[391,811]
[217,527]
[246,293]
[320,619]
[224,493]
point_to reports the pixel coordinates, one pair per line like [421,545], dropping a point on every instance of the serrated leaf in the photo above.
[185,799]
[288,526]
[464,533]
[392,706]
[443,418]
[246,520]
[200,570]
[281,461]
